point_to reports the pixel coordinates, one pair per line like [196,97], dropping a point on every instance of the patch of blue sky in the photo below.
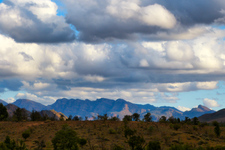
[1,1]
[61,9]
[9,94]
[194,98]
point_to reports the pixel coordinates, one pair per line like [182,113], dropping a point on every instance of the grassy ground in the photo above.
[104,134]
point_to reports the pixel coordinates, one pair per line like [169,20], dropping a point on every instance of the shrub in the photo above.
[153,145]
[112,131]
[117,147]
[66,138]
[150,129]
[136,142]
[129,132]
[82,142]
[176,126]
[26,134]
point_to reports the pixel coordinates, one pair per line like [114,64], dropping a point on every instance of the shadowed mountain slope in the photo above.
[216,116]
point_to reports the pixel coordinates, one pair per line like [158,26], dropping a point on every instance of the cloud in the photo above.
[210,103]
[134,19]
[46,100]
[34,21]
[116,19]
[181,108]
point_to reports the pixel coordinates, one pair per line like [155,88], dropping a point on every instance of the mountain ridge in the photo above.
[119,108]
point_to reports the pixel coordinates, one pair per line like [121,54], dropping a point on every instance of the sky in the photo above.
[144,51]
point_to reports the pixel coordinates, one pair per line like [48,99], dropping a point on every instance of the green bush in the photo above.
[66,138]
[176,127]
[26,134]
[112,131]
[153,145]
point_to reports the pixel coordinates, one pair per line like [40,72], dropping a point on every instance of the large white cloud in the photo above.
[210,103]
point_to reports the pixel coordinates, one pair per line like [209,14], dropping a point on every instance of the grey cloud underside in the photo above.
[135,80]
[95,25]
[10,84]
[36,32]
[193,12]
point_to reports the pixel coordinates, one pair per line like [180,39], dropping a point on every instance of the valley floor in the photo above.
[106,134]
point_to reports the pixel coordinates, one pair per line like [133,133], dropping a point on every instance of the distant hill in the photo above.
[29,105]
[196,112]
[52,114]
[11,108]
[3,102]
[118,108]
[216,116]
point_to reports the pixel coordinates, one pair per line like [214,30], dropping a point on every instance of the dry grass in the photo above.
[104,134]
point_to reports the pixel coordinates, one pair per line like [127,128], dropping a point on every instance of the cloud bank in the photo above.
[132,49]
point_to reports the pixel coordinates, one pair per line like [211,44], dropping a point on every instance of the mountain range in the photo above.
[119,108]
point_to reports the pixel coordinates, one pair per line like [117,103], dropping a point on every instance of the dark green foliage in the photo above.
[19,114]
[129,132]
[21,145]
[181,147]
[162,119]
[136,142]
[195,121]
[153,145]
[104,117]
[3,112]
[150,129]
[127,118]
[10,144]
[40,145]
[187,120]
[217,128]
[69,118]
[26,134]
[35,116]
[176,126]
[114,118]
[147,117]
[76,118]
[136,117]
[112,131]
[82,142]
[66,138]
[117,147]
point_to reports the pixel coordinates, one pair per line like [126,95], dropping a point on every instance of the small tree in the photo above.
[147,117]
[76,118]
[69,118]
[3,112]
[217,128]
[20,114]
[35,116]
[127,118]
[195,121]
[162,119]
[136,117]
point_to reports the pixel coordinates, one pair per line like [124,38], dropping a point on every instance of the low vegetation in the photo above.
[109,133]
